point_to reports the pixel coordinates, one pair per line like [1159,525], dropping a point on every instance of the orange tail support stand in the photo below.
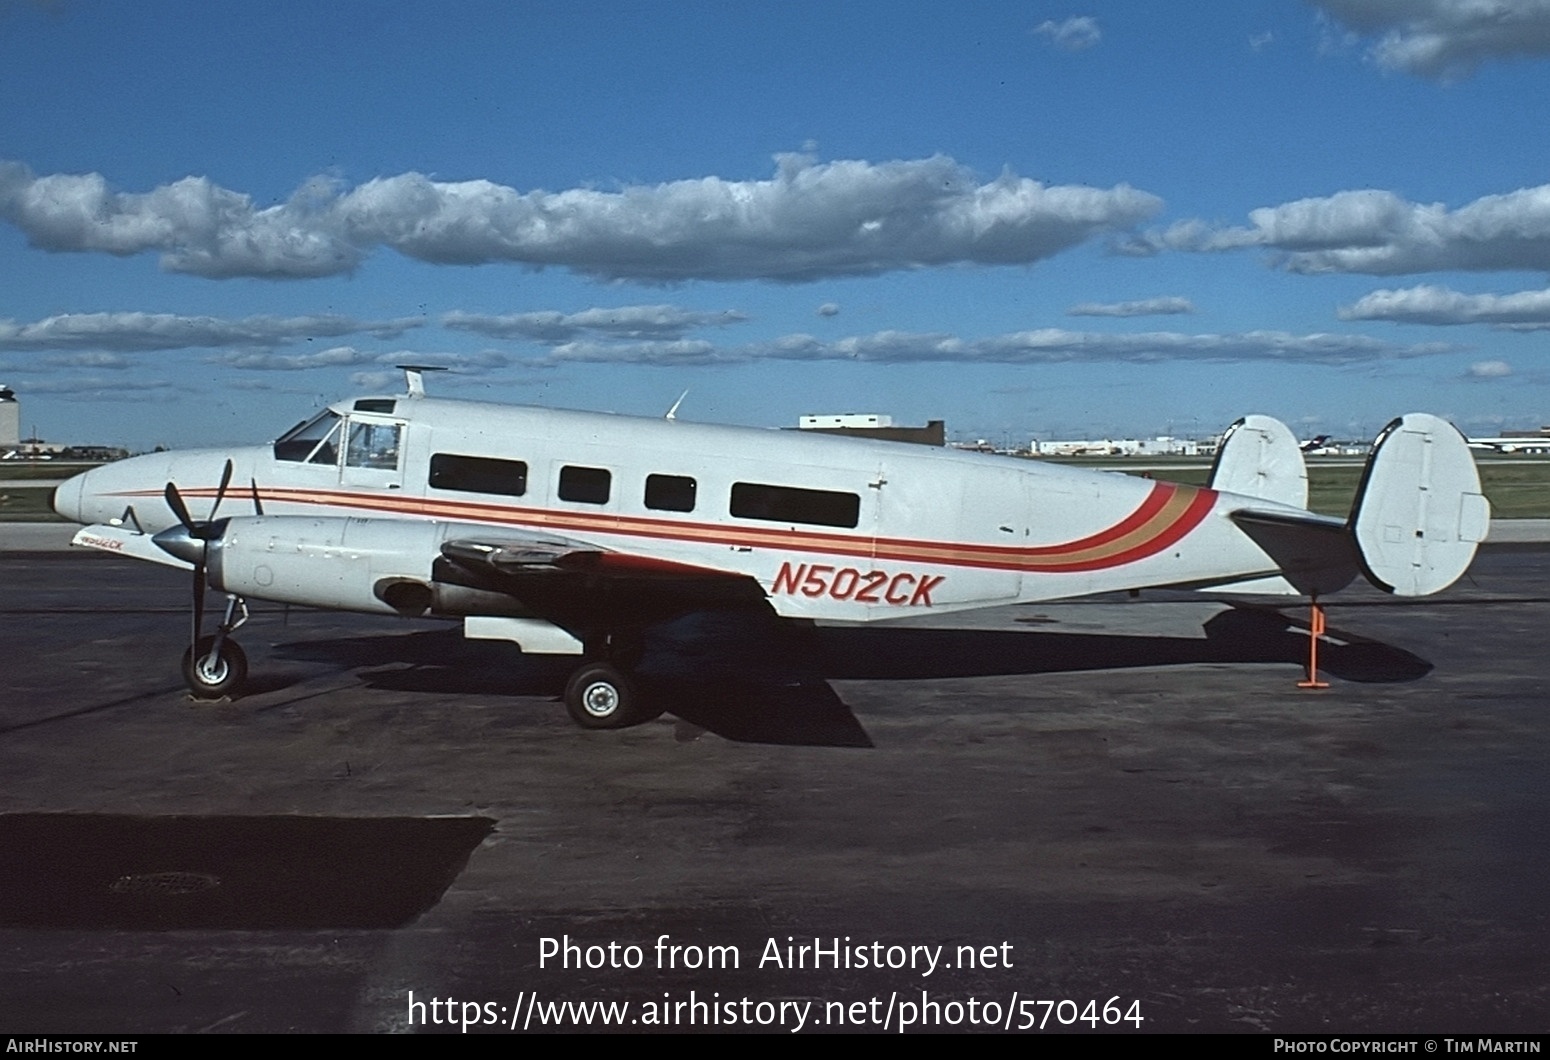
[1315,631]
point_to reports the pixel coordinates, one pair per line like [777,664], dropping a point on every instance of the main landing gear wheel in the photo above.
[600,696]
[210,676]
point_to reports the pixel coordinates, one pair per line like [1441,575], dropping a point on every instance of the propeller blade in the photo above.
[258,509]
[179,509]
[220,491]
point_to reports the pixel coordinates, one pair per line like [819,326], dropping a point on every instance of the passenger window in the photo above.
[670,493]
[587,485]
[478,474]
[789,504]
[373,445]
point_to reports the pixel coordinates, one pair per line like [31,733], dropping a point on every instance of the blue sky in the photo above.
[1026,218]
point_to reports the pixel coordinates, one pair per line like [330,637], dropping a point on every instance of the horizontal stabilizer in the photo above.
[1260,458]
[1419,513]
[1315,553]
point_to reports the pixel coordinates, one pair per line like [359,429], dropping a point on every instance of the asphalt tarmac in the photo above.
[1016,812]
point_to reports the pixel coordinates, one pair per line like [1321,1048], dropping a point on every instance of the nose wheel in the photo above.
[216,666]
[212,672]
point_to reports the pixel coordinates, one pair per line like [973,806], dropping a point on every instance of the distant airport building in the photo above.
[847,420]
[875,425]
[1163,445]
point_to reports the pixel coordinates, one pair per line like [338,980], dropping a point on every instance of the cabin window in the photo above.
[382,405]
[789,504]
[478,474]
[314,442]
[373,445]
[670,493]
[586,485]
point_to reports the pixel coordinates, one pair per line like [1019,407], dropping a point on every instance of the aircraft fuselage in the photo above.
[834,528]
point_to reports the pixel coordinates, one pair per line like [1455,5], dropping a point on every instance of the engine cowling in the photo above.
[378,566]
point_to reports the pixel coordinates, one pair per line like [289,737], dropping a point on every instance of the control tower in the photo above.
[10,419]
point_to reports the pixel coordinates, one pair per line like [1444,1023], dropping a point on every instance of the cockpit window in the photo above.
[373,445]
[313,442]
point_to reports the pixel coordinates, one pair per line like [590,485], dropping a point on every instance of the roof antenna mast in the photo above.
[414,374]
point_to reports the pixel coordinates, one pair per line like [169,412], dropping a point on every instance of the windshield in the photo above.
[313,442]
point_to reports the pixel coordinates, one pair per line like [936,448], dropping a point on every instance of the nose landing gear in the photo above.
[216,666]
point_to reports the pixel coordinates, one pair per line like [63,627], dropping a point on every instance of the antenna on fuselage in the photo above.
[415,375]
[672,413]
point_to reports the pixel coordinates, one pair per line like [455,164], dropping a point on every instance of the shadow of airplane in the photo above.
[1237,635]
[747,677]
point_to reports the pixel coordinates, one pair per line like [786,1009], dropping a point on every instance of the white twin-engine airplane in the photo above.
[575,532]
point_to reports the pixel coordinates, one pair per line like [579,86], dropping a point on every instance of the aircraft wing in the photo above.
[582,587]
[516,555]
[122,541]
[527,556]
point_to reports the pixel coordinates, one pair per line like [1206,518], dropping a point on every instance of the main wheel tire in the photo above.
[600,696]
[212,678]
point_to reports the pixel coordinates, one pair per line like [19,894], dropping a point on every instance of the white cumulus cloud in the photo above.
[1073,34]
[1377,232]
[125,332]
[1489,370]
[1140,308]
[1042,346]
[335,357]
[809,220]
[1427,304]
[1445,39]
[349,356]
[197,226]
[622,322]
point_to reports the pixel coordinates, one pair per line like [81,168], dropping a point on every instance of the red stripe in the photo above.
[1160,495]
[1168,535]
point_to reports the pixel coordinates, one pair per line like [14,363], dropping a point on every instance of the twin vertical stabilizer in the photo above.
[1260,458]
[1414,525]
[1419,511]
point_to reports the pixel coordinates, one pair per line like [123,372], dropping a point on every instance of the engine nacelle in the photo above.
[380,566]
